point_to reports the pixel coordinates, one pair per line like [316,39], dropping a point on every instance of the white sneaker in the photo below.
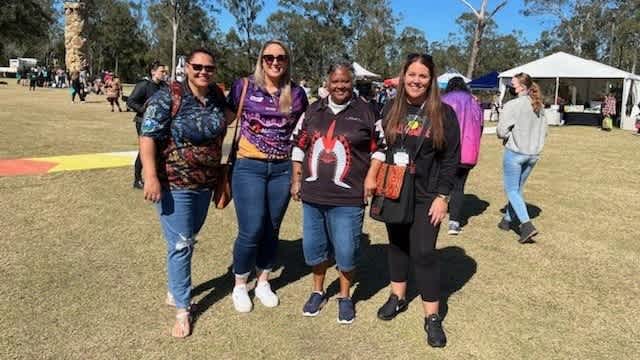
[267,297]
[241,301]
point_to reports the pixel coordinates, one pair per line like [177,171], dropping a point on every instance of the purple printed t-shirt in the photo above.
[265,132]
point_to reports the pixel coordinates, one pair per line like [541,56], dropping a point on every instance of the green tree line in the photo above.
[127,35]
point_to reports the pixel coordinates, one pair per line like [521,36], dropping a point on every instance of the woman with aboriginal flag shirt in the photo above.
[338,147]
[418,111]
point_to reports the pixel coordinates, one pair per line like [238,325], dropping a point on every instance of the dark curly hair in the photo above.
[456,84]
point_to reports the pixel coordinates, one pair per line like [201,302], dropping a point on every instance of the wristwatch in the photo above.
[444,197]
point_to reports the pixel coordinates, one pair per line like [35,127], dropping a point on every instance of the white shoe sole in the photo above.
[268,303]
[345,322]
[242,310]
[308,314]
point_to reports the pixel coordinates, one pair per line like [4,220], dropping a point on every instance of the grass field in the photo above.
[83,260]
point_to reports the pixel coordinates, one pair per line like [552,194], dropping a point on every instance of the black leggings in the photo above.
[137,168]
[457,194]
[416,243]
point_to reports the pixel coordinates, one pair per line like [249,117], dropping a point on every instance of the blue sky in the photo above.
[437,17]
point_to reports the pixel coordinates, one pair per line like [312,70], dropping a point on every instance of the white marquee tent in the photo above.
[565,66]
[361,73]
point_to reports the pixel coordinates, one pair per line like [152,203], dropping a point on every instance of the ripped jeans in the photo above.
[182,214]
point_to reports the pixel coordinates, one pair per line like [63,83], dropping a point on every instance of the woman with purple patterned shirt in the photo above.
[261,175]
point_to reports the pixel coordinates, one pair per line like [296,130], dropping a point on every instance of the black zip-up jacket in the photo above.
[143,91]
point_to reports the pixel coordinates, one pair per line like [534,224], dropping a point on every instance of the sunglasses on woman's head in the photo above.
[270,58]
[413,56]
[200,67]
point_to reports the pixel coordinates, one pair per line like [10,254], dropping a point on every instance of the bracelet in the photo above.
[444,197]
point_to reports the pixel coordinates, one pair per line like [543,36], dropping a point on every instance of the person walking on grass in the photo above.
[523,128]
[33,79]
[261,177]
[334,183]
[181,152]
[76,87]
[469,115]
[137,101]
[423,134]
[113,90]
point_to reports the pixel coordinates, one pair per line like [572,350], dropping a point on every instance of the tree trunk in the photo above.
[249,50]
[475,48]
[173,48]
[611,42]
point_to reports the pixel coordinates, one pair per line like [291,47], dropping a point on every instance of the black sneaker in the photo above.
[346,311]
[527,232]
[504,225]
[392,308]
[435,332]
[315,303]
[138,184]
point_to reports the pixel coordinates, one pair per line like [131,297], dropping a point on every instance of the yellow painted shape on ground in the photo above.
[87,161]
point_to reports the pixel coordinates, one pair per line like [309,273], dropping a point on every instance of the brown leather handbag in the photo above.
[222,193]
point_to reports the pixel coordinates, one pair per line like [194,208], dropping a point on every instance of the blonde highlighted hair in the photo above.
[534,91]
[284,85]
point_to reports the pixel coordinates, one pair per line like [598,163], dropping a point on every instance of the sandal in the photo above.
[182,327]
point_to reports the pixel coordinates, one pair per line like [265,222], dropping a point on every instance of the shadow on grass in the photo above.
[533,211]
[456,269]
[372,274]
[472,206]
[221,286]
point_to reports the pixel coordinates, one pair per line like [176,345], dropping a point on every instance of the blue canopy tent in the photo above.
[485,82]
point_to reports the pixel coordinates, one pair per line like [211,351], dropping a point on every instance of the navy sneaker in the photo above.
[346,311]
[315,303]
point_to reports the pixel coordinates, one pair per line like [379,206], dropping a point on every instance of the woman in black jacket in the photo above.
[417,112]
[137,101]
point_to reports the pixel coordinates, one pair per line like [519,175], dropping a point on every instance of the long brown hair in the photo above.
[434,108]
[534,91]
[285,100]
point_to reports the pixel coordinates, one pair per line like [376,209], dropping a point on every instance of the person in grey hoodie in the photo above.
[523,128]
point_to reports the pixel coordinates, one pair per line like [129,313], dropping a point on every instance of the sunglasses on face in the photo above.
[270,58]
[200,67]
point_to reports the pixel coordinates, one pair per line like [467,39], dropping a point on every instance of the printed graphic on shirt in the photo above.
[330,149]
[413,126]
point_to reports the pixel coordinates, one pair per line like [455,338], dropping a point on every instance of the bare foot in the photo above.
[182,327]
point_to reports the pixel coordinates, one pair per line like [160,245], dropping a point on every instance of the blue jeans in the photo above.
[182,214]
[517,168]
[331,231]
[261,196]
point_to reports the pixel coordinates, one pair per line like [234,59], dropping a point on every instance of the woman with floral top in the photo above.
[180,151]
[261,175]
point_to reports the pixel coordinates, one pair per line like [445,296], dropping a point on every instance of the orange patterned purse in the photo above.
[389,181]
